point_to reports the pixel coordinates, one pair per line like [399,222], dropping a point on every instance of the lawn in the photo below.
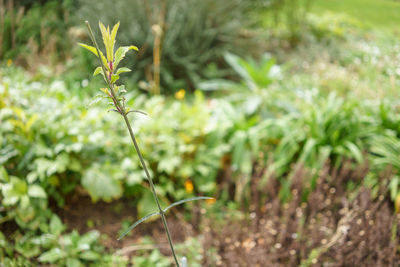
[377,14]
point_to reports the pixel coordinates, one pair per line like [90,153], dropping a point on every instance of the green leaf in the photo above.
[10,198]
[114,31]
[307,151]
[105,33]
[90,255]
[56,226]
[32,177]
[90,48]
[122,70]
[3,174]
[27,248]
[7,153]
[114,78]
[100,186]
[394,186]
[19,186]
[169,164]
[114,35]
[94,51]
[184,201]
[120,53]
[137,223]
[97,71]
[72,262]
[158,213]
[355,151]
[52,255]
[13,191]
[36,191]
[24,202]
[88,239]
[237,65]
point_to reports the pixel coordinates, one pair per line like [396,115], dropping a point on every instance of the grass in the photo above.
[377,14]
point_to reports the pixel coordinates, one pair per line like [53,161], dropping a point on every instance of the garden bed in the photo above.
[333,227]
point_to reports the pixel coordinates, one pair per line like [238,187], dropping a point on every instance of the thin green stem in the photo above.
[152,188]
[122,111]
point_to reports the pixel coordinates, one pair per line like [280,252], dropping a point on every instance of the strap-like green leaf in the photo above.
[105,33]
[90,48]
[97,71]
[122,70]
[136,111]
[355,151]
[94,51]
[120,53]
[137,223]
[158,213]
[185,200]
[114,35]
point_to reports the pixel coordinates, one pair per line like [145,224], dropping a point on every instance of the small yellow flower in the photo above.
[180,94]
[210,201]
[189,186]
[9,62]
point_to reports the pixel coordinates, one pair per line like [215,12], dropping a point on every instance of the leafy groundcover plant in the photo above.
[109,70]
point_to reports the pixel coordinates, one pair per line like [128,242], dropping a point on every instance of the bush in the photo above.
[61,148]
[44,158]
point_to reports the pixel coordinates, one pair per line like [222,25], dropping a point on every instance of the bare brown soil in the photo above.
[333,227]
[81,214]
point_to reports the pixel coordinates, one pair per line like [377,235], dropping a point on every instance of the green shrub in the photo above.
[40,162]
[178,140]
[257,92]
[322,131]
[384,148]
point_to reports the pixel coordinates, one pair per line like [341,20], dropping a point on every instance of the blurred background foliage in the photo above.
[238,93]
[190,36]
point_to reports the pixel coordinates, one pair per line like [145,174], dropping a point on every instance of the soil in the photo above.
[82,214]
[332,227]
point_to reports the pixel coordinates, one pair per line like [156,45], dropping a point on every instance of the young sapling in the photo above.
[109,70]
